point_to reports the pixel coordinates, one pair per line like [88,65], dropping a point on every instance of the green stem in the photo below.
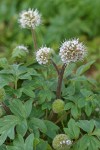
[46,114]
[34,39]
[59,119]
[16,84]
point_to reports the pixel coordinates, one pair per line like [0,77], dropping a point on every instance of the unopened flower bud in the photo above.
[20,51]
[58,106]
[59,142]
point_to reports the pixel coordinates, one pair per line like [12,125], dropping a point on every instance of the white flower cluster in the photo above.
[29,19]
[43,55]
[72,51]
[22,47]
[67,142]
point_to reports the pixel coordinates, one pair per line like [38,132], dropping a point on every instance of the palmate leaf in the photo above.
[20,144]
[86,125]
[5,79]
[51,129]
[88,142]
[43,145]
[20,109]
[73,130]
[38,124]
[7,125]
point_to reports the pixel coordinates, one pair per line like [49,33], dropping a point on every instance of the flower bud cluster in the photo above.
[29,19]
[22,47]
[61,142]
[43,55]
[72,51]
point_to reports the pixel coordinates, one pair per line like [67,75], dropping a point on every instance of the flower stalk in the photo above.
[60,73]
[60,78]
[34,39]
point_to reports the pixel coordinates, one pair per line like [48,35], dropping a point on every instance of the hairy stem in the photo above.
[34,39]
[60,78]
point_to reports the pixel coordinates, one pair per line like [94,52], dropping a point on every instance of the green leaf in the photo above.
[3,62]
[19,143]
[88,142]
[17,92]
[7,125]
[68,106]
[28,91]
[75,111]
[17,107]
[14,148]
[3,147]
[42,144]
[88,109]
[86,92]
[70,90]
[20,109]
[51,129]
[3,138]
[5,80]
[73,130]
[29,142]
[42,97]
[39,123]
[19,53]
[81,102]
[70,69]
[97,123]
[22,128]
[28,106]
[96,132]
[84,68]
[25,76]
[86,125]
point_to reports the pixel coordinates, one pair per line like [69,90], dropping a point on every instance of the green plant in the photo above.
[28,93]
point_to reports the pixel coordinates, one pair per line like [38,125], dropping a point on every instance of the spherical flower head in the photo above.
[20,51]
[72,51]
[2,94]
[30,19]
[43,55]
[61,142]
[58,106]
